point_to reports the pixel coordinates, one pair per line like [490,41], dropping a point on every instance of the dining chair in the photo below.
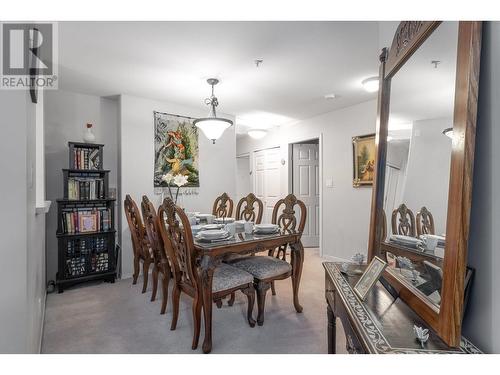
[161,263]
[425,222]
[267,269]
[223,206]
[178,240]
[140,244]
[246,210]
[403,221]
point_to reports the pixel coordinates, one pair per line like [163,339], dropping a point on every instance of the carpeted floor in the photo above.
[118,318]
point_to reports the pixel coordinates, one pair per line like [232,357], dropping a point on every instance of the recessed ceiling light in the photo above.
[331,96]
[370,84]
[257,133]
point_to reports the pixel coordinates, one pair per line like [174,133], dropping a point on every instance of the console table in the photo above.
[381,324]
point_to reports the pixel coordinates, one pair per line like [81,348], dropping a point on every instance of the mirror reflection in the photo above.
[417,172]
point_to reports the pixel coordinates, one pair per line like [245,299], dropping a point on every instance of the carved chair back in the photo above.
[136,227]
[403,221]
[223,206]
[287,219]
[425,222]
[246,210]
[178,240]
[152,230]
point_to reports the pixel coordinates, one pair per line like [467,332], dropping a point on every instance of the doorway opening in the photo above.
[305,183]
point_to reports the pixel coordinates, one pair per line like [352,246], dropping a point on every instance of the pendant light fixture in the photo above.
[213,126]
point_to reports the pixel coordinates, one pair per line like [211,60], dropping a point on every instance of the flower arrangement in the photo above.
[177,180]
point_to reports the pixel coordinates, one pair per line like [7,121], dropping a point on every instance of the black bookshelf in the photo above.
[85,219]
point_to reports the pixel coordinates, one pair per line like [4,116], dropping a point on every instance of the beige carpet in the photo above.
[117,318]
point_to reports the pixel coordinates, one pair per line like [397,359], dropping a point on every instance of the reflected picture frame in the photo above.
[363,160]
[369,277]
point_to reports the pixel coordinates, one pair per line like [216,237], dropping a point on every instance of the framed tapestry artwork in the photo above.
[363,153]
[369,277]
[176,149]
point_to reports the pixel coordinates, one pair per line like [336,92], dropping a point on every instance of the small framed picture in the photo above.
[88,223]
[369,277]
[363,155]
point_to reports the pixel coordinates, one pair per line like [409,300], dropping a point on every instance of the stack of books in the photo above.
[83,220]
[86,158]
[86,188]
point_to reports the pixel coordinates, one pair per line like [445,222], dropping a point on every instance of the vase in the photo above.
[89,136]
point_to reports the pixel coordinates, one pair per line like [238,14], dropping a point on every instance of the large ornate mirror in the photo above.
[425,148]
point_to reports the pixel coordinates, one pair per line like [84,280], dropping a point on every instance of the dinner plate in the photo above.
[266,228]
[225,220]
[211,226]
[405,240]
[214,234]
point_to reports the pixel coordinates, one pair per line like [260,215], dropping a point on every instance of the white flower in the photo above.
[180,180]
[168,178]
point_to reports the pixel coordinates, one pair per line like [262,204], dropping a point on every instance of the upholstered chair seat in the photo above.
[228,277]
[263,267]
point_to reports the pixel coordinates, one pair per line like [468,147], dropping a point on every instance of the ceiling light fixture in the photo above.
[448,132]
[213,126]
[331,96]
[370,84]
[257,133]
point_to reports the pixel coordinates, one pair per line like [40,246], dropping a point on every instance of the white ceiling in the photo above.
[170,61]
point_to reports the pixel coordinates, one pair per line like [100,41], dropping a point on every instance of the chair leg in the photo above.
[176,295]
[155,282]
[250,293]
[145,275]
[197,304]
[262,288]
[273,290]
[164,285]
[231,300]
[136,270]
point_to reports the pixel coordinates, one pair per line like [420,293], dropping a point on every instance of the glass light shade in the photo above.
[213,127]
[370,84]
[448,132]
[257,133]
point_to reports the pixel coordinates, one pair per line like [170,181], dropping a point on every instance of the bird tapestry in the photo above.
[176,150]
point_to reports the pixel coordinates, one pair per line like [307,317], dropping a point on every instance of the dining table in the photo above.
[211,254]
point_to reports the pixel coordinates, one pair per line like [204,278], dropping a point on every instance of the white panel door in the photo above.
[305,182]
[267,180]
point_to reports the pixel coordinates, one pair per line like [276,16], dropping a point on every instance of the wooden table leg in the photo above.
[297,260]
[207,273]
[331,330]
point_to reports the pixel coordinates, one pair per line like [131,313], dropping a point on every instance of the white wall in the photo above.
[66,114]
[22,276]
[428,170]
[243,178]
[345,210]
[217,162]
[481,322]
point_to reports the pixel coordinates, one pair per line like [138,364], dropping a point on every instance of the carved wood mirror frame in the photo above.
[445,320]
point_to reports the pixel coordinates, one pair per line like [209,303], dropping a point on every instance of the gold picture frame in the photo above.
[369,277]
[363,160]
